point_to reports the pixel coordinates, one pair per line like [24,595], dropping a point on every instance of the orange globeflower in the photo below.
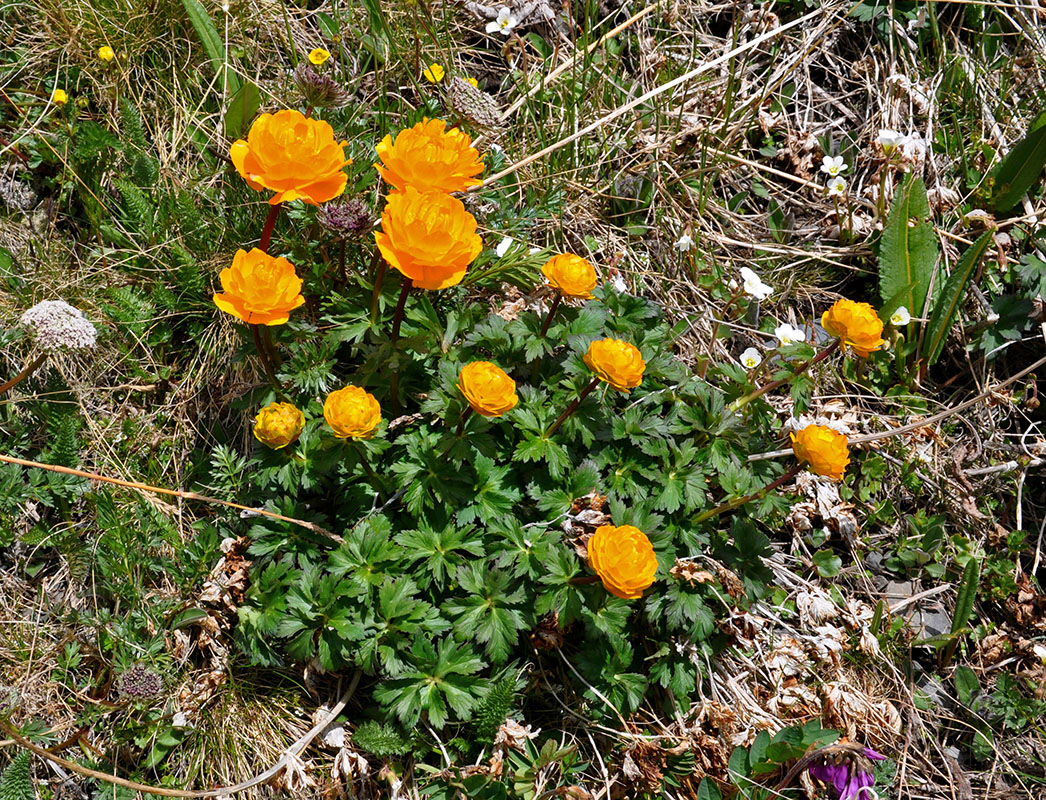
[618,363]
[259,289]
[352,413]
[624,560]
[823,449]
[429,158]
[856,325]
[294,156]
[571,274]
[278,424]
[488,389]
[430,238]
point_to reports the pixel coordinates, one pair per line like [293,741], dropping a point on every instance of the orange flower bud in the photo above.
[618,363]
[571,274]
[487,388]
[856,324]
[352,412]
[823,449]
[429,158]
[294,156]
[278,424]
[430,238]
[624,560]
[259,289]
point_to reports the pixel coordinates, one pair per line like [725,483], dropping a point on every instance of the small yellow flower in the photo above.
[824,450]
[352,413]
[434,73]
[473,82]
[318,56]
[487,388]
[624,560]
[59,97]
[618,363]
[106,53]
[278,425]
[855,324]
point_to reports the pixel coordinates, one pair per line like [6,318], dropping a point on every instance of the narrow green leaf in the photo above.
[946,307]
[211,41]
[242,108]
[966,595]
[967,686]
[1020,168]
[908,251]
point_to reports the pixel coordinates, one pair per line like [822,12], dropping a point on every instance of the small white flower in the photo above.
[900,317]
[684,243]
[833,165]
[534,250]
[750,358]
[889,139]
[753,285]
[788,334]
[1040,652]
[503,246]
[836,187]
[225,7]
[619,284]
[504,23]
[56,325]
[732,285]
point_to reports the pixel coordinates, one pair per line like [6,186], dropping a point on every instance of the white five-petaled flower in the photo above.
[788,334]
[504,23]
[503,246]
[889,139]
[1040,652]
[753,285]
[750,358]
[836,187]
[833,165]
[684,243]
[900,317]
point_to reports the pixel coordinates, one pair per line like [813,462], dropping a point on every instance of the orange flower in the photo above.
[618,363]
[487,388]
[571,274]
[823,449]
[278,424]
[624,560]
[430,238]
[296,157]
[429,158]
[259,289]
[856,325]
[352,412]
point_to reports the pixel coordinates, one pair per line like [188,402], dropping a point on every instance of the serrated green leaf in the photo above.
[908,251]
[946,306]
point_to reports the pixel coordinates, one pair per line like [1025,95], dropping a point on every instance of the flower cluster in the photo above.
[139,682]
[56,326]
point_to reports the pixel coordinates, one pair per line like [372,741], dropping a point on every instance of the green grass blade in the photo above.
[1021,167]
[908,251]
[946,307]
[211,41]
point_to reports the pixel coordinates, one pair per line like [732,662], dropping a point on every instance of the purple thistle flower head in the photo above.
[849,775]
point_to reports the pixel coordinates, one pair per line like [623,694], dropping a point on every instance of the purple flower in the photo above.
[849,777]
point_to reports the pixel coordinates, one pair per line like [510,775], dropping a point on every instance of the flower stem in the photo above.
[572,407]
[267,229]
[379,266]
[362,457]
[397,318]
[32,367]
[270,347]
[551,314]
[584,580]
[740,501]
[465,415]
[741,402]
[263,356]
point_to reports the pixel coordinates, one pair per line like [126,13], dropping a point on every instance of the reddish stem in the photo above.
[572,407]
[270,224]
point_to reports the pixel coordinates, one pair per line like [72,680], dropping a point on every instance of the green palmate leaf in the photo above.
[211,41]
[1019,170]
[908,251]
[946,307]
[242,108]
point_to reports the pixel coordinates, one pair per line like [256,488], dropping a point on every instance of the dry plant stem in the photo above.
[263,356]
[551,314]
[32,367]
[144,487]
[267,229]
[572,407]
[737,502]
[397,318]
[741,402]
[295,749]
